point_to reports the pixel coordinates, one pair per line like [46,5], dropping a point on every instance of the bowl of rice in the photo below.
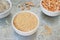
[5,7]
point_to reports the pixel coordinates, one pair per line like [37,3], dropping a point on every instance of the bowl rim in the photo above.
[23,31]
[46,9]
[8,8]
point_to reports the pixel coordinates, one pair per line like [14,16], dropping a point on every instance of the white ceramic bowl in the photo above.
[49,13]
[25,33]
[6,13]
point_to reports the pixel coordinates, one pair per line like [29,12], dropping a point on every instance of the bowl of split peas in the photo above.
[50,7]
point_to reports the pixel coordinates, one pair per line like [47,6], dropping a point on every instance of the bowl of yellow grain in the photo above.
[50,7]
[25,23]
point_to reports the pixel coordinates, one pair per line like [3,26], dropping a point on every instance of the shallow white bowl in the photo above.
[6,13]
[25,33]
[47,12]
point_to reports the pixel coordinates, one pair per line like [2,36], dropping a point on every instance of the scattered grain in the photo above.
[29,3]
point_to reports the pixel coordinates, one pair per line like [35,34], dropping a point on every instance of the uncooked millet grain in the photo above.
[25,21]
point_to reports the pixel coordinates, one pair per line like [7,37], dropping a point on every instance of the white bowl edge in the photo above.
[25,33]
[49,13]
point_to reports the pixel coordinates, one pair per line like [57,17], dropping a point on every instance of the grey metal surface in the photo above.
[7,32]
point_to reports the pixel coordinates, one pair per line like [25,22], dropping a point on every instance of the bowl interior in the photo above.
[46,9]
[10,6]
